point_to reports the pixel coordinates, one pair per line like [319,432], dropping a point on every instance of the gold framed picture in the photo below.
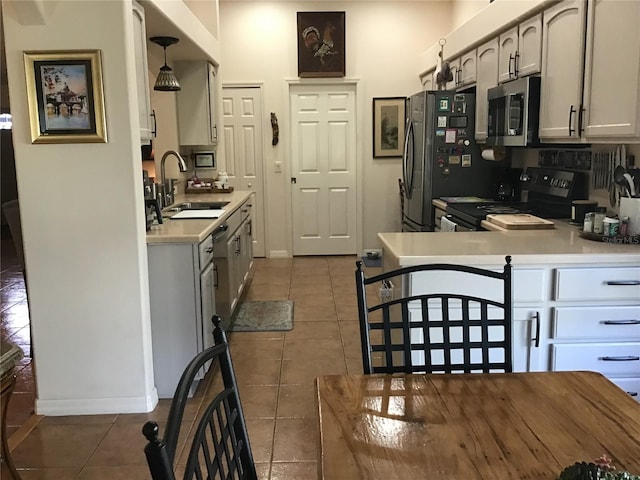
[65,96]
[388,126]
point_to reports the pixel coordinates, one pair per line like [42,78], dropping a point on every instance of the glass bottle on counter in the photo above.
[598,220]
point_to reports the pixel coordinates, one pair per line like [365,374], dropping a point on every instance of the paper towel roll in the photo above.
[495,154]
[487,154]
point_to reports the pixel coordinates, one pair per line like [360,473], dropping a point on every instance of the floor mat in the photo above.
[264,316]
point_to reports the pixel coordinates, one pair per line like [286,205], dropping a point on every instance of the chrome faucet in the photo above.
[167,198]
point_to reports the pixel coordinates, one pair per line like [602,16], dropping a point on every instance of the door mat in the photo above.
[264,316]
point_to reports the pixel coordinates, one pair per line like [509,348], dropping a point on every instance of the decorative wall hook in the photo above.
[275,128]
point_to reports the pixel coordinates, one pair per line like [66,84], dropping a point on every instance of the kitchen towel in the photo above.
[447,225]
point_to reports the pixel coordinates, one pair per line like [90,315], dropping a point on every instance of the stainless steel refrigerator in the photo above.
[441,157]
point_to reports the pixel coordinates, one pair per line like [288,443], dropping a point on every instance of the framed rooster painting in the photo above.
[321,44]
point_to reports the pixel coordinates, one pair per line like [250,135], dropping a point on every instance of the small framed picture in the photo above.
[388,126]
[65,96]
[321,44]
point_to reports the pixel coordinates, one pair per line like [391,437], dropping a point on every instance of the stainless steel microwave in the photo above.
[513,113]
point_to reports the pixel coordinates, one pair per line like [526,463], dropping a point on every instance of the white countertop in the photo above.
[194,230]
[561,245]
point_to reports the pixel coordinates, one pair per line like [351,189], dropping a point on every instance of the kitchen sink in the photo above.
[198,206]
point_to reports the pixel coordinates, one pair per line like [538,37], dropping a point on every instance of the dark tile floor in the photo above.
[275,371]
[14,326]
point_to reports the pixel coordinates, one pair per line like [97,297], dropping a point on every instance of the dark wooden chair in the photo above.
[435,331]
[220,447]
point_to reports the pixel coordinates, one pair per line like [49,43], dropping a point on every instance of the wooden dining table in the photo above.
[501,426]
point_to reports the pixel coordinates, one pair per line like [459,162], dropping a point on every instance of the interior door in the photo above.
[323,169]
[243,142]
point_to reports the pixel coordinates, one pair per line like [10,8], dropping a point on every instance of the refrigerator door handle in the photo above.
[408,160]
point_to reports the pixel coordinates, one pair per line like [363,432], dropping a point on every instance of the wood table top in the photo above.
[474,426]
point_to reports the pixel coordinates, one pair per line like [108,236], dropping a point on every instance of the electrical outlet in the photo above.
[278,167]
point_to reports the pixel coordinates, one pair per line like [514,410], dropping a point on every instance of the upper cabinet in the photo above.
[590,90]
[486,78]
[520,50]
[562,70]
[428,81]
[147,124]
[196,103]
[612,70]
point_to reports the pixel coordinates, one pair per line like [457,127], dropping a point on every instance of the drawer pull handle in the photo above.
[621,322]
[624,358]
[536,340]
[633,394]
[623,282]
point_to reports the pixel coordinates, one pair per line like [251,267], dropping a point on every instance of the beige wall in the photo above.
[83,221]
[463,10]
[383,41]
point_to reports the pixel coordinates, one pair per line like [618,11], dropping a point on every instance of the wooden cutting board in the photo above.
[519,221]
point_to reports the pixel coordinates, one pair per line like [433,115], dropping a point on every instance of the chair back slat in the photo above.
[439,332]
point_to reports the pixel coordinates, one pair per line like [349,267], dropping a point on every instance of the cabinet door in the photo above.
[428,82]
[195,103]
[234,283]
[486,78]
[246,248]
[507,58]
[455,68]
[528,323]
[213,124]
[467,75]
[142,73]
[207,309]
[562,70]
[612,70]
[529,46]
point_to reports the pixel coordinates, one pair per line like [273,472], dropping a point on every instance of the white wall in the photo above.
[83,223]
[383,42]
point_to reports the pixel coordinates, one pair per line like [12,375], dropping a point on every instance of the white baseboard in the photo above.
[279,254]
[97,406]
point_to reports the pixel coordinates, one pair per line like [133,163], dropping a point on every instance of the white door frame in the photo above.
[265,142]
[359,139]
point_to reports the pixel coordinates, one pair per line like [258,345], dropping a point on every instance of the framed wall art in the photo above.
[65,96]
[321,44]
[388,126]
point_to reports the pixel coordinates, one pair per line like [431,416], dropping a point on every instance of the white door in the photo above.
[323,161]
[242,113]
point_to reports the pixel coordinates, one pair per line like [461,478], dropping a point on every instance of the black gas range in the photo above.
[549,195]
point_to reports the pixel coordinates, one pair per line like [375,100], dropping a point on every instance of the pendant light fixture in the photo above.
[166,81]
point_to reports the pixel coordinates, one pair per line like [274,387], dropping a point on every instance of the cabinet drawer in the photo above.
[608,359]
[597,283]
[597,322]
[205,251]
[629,385]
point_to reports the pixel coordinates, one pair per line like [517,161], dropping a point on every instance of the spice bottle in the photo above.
[588,222]
[598,220]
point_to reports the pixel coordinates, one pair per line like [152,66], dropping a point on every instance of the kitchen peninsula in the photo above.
[576,301]
[197,267]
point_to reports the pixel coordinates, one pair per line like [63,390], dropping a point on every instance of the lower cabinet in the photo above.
[182,280]
[596,323]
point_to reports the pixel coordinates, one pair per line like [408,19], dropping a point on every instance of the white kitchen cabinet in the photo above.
[562,70]
[454,65]
[486,78]
[612,70]
[196,103]
[507,57]
[520,50]
[467,71]
[596,323]
[429,82]
[529,56]
[182,298]
[145,114]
